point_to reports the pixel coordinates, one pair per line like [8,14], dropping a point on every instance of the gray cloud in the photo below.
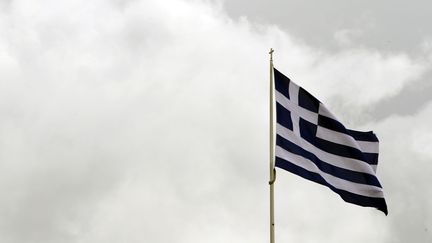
[411,100]
[385,25]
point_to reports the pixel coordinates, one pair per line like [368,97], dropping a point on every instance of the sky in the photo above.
[147,121]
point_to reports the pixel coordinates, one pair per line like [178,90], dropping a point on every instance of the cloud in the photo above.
[125,120]
[405,170]
[345,37]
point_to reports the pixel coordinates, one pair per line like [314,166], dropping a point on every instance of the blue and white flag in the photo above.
[311,143]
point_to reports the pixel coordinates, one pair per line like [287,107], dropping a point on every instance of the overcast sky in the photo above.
[147,120]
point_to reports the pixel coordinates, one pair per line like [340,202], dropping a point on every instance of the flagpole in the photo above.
[271,153]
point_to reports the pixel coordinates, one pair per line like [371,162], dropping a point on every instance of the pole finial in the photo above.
[271,54]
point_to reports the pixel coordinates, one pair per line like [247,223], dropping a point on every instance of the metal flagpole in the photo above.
[271,154]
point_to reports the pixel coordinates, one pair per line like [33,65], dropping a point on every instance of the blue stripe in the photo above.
[281,83]
[283,116]
[349,175]
[331,124]
[363,136]
[335,125]
[372,158]
[378,203]
[308,132]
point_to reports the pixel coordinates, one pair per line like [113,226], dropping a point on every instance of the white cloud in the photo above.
[125,120]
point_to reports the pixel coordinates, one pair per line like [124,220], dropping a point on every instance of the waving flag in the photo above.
[312,143]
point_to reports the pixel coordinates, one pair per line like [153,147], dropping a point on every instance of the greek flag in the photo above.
[312,143]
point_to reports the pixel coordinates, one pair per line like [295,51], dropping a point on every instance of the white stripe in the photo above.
[344,139]
[369,147]
[366,146]
[374,167]
[295,117]
[349,186]
[307,115]
[293,92]
[336,160]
